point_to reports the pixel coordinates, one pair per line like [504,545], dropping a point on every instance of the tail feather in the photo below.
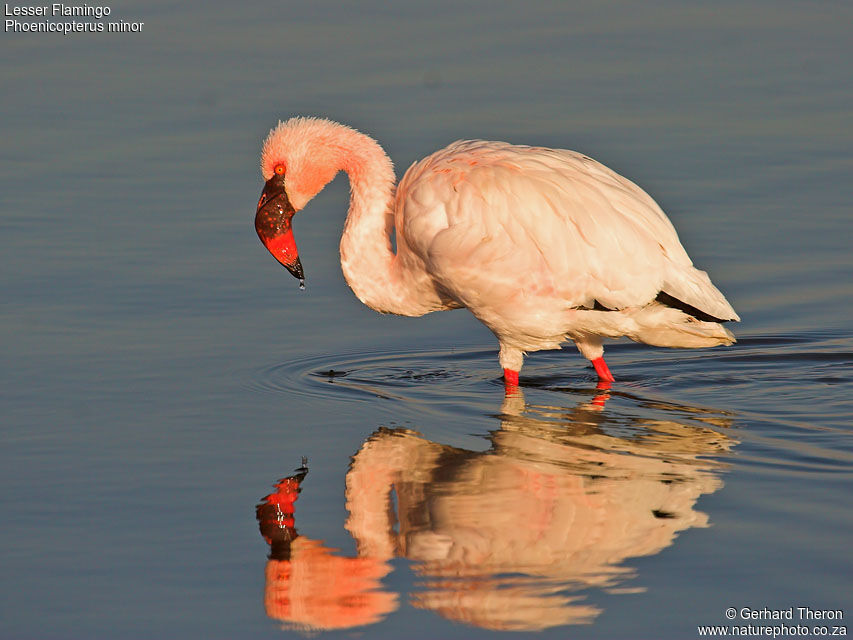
[667,327]
[693,287]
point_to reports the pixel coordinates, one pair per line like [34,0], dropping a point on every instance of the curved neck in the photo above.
[369,265]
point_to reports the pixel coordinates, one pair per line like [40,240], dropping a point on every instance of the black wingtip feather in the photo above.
[664,298]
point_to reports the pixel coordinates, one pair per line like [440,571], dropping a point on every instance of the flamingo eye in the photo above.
[279,169]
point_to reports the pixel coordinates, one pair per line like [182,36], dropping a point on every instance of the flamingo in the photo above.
[543,246]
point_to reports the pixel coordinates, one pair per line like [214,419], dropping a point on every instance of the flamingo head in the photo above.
[299,158]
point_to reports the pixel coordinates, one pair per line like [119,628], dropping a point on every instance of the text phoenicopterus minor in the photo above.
[541,245]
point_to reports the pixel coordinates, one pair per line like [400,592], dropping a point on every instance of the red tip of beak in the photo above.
[283,248]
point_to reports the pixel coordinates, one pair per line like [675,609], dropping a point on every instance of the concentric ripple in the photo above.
[356,376]
[783,361]
[771,385]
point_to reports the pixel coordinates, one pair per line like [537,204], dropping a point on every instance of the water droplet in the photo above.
[302,284]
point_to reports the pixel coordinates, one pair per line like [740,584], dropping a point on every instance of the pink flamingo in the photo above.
[541,245]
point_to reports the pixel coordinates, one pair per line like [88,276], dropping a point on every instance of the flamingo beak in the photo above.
[273,224]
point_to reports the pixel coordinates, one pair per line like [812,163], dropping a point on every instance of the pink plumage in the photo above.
[542,245]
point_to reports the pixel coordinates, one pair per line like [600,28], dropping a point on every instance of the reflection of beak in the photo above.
[272,222]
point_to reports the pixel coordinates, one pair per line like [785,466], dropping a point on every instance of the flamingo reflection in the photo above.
[308,585]
[510,538]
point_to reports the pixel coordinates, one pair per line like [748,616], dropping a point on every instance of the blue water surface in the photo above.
[161,373]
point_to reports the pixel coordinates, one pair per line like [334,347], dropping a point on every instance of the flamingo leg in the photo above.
[602,370]
[511,377]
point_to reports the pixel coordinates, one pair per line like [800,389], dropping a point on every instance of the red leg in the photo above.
[602,370]
[511,377]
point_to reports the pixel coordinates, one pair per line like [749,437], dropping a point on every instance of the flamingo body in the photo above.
[541,245]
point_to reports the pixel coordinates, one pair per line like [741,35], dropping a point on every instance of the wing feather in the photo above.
[490,220]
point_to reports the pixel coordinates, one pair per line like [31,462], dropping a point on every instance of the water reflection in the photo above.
[308,585]
[507,538]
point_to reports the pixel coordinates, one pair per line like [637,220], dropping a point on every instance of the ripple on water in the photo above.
[765,385]
[360,376]
[826,358]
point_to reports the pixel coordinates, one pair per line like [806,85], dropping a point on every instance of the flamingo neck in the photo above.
[370,267]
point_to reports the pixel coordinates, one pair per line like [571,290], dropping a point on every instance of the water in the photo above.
[161,372]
